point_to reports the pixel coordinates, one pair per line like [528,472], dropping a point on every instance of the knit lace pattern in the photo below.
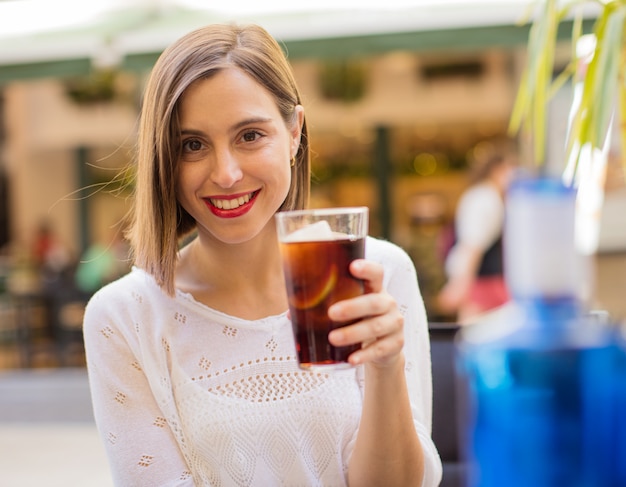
[185,395]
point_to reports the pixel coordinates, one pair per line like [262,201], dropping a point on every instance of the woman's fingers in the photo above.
[379,323]
[370,272]
[365,306]
[381,336]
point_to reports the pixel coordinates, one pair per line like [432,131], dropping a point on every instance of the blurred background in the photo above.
[399,98]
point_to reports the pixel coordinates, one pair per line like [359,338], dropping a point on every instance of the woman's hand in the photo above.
[380,325]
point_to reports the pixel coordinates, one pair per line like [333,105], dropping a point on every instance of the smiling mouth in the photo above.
[234,203]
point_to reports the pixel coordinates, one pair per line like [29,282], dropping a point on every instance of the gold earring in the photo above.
[293,161]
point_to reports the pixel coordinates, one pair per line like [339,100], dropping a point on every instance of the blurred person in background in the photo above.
[51,257]
[474,264]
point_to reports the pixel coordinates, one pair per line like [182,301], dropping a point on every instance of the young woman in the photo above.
[191,357]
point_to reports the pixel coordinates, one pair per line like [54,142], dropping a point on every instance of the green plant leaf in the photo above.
[600,88]
[603,82]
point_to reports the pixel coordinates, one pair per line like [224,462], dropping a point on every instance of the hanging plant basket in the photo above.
[343,80]
[96,87]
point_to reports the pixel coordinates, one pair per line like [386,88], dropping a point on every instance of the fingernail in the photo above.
[358,264]
[334,312]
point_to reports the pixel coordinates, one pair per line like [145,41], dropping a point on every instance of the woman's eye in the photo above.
[192,145]
[251,136]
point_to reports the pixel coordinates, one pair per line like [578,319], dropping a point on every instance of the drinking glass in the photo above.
[317,247]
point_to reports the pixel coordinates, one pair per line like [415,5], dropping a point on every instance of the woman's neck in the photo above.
[243,280]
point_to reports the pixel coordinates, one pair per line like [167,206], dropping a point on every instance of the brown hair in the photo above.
[158,221]
[488,155]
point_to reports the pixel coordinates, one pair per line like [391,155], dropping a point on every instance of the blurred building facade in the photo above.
[391,124]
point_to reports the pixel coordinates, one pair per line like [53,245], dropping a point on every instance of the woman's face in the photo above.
[234,171]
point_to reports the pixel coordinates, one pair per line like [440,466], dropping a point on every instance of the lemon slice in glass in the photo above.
[313,295]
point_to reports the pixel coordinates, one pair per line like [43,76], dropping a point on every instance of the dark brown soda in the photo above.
[317,275]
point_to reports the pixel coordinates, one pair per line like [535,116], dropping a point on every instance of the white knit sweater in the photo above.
[186,395]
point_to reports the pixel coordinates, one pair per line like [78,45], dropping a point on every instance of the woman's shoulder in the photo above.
[134,287]
[385,252]
[135,277]
[400,273]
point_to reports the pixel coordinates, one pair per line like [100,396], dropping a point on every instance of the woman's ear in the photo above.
[296,130]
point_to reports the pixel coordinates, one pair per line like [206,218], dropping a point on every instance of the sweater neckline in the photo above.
[190,301]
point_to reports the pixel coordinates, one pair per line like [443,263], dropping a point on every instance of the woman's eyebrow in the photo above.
[190,132]
[251,121]
[237,126]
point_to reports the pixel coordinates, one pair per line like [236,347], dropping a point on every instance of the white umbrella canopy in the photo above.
[108,31]
[38,31]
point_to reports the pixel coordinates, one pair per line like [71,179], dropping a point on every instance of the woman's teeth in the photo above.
[230,204]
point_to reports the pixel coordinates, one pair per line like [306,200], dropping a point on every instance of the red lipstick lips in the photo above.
[231,206]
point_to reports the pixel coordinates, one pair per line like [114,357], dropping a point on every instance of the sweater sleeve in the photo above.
[401,282]
[140,445]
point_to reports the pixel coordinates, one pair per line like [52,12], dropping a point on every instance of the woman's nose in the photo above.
[225,170]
